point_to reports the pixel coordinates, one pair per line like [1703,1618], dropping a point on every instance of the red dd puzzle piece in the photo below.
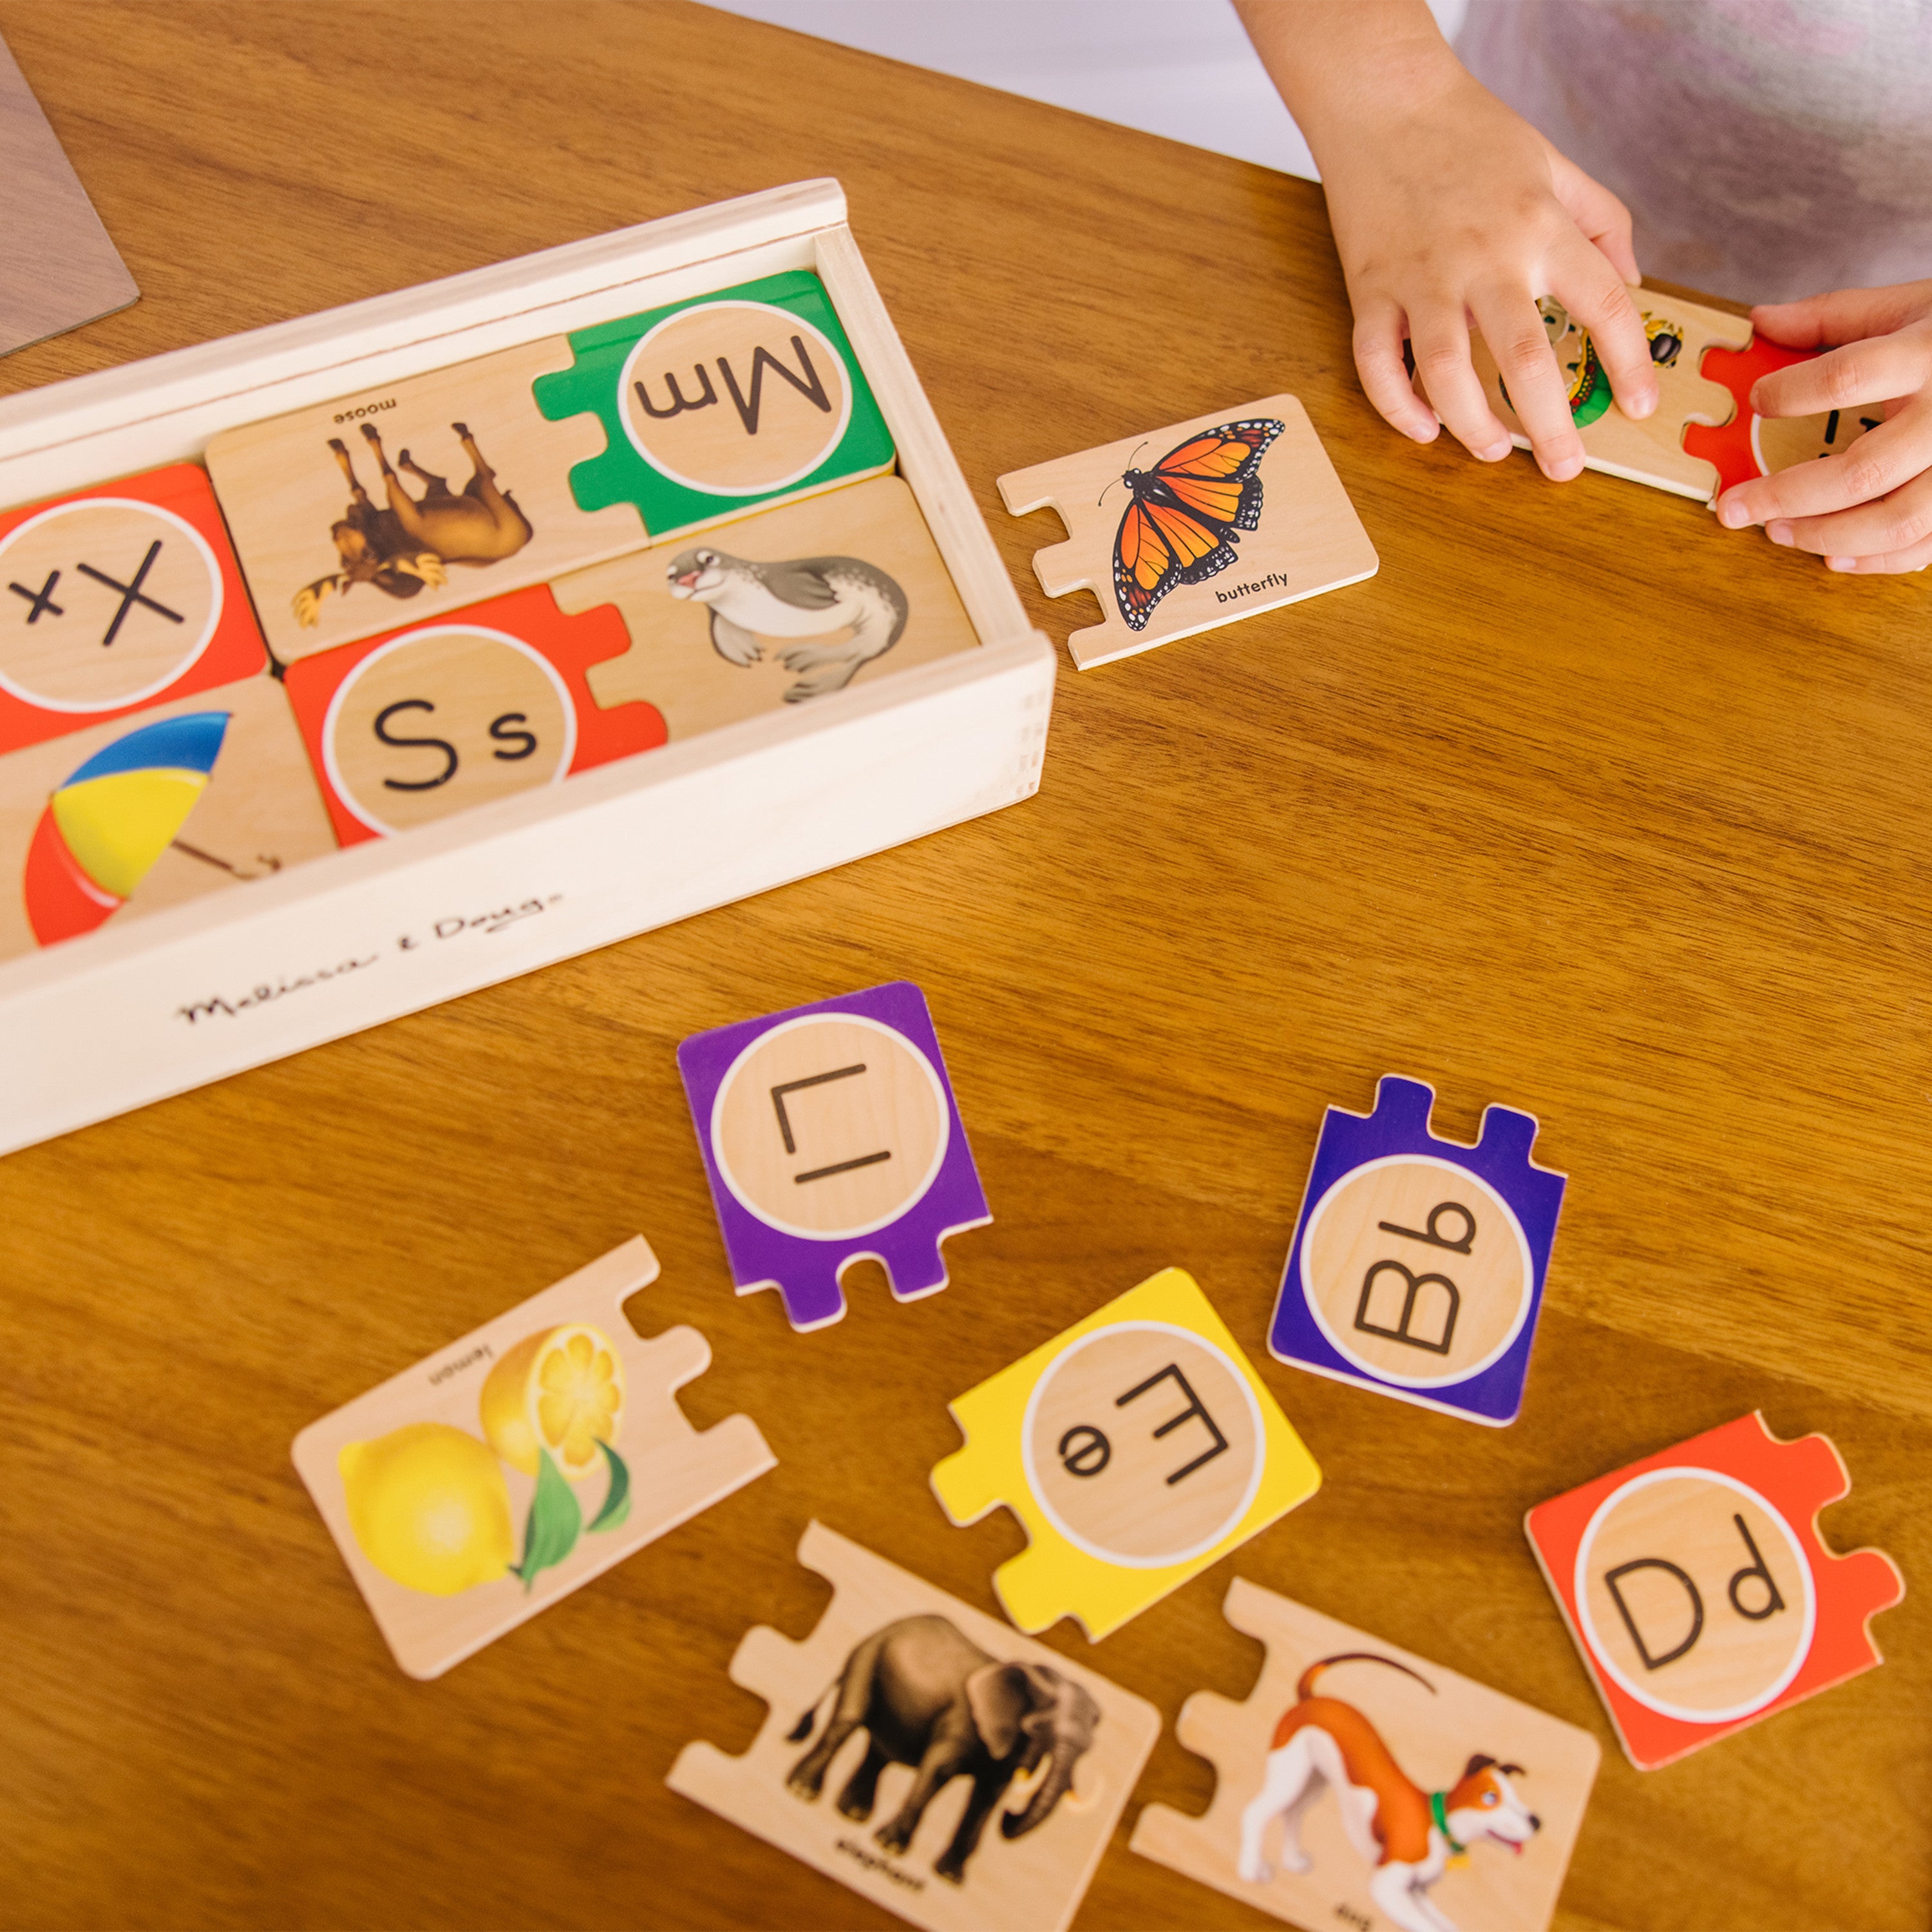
[431,719]
[1733,446]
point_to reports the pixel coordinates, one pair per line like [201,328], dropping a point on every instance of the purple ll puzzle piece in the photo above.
[1417,1265]
[830,1135]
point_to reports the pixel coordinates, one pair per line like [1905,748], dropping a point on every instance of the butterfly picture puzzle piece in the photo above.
[1137,1447]
[1179,530]
[1445,1777]
[1417,1265]
[829,1135]
[990,1805]
[1749,444]
[477,1487]
[1698,1592]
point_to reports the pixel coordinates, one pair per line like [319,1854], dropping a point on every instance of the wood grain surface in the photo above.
[1582,804]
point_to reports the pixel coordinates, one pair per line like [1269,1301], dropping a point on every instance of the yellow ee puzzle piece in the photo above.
[1138,1447]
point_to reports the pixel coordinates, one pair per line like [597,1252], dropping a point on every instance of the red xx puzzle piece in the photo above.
[1696,1586]
[417,723]
[1751,445]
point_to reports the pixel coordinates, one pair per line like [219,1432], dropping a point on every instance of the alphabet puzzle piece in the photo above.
[1138,1447]
[1695,1585]
[1749,444]
[115,598]
[1004,1725]
[498,1474]
[1163,560]
[1433,1776]
[415,723]
[1368,1295]
[830,1135]
[787,606]
[191,797]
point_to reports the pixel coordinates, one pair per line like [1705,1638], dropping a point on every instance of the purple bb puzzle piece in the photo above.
[830,1135]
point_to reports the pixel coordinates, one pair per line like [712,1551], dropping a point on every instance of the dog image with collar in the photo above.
[1409,1836]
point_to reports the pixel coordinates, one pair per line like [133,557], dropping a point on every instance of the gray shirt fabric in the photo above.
[1766,149]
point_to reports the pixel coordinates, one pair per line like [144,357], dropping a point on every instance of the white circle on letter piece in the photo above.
[1336,1335]
[164,666]
[759,1196]
[1663,1706]
[1225,1525]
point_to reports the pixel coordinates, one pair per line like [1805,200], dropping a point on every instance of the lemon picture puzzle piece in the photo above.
[990,1806]
[477,1487]
[1448,1776]
[1137,1447]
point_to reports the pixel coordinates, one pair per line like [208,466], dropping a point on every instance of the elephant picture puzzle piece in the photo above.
[1361,1785]
[1417,1265]
[1180,529]
[1138,1447]
[116,598]
[991,1806]
[478,1487]
[1749,444]
[1696,1588]
[829,1135]
[414,724]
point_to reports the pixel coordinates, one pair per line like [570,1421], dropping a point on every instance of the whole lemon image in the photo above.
[430,1507]
[562,1389]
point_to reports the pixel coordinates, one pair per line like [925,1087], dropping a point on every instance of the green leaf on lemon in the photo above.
[617,1496]
[551,1529]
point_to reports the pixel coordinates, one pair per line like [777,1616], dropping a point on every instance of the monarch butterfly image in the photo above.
[1187,514]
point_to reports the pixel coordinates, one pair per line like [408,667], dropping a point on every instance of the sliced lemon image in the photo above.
[560,1389]
[429,1507]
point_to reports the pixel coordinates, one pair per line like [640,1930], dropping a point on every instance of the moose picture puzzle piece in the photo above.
[479,1486]
[124,818]
[1234,512]
[115,598]
[1137,1447]
[829,1135]
[1361,1785]
[1695,1586]
[415,723]
[784,607]
[1749,444]
[896,1806]
[1417,1265]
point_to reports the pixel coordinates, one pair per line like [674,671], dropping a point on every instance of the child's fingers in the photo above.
[1881,460]
[1585,286]
[1514,331]
[1868,371]
[1845,315]
[1385,378]
[1596,211]
[1901,521]
[1890,563]
[1438,337]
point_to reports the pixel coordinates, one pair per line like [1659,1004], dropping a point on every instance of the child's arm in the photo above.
[1448,207]
[1869,508]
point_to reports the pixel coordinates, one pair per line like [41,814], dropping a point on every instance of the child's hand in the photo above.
[1869,508]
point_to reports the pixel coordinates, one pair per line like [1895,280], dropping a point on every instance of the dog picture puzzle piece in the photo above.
[115,598]
[1696,1586]
[1361,1785]
[493,1477]
[830,1135]
[1138,1447]
[1417,1265]
[787,606]
[896,1806]
[413,725]
[1156,526]
[1751,445]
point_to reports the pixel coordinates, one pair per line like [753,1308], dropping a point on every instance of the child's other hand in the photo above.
[1869,508]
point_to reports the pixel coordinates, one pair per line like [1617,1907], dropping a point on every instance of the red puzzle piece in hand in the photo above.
[1751,445]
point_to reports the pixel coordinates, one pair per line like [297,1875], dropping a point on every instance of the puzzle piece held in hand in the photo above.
[1417,1264]
[1751,445]
[1695,1585]
[1138,1447]
[830,1135]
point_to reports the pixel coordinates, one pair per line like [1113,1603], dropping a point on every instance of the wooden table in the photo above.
[1581,805]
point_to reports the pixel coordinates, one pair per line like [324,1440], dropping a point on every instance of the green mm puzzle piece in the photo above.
[622,474]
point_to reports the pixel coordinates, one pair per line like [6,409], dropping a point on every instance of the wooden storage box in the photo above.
[155,1005]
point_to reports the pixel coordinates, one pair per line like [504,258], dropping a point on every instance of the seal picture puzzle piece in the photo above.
[124,818]
[1751,445]
[415,723]
[1417,1265]
[830,1135]
[496,1475]
[1138,1447]
[1434,1777]
[895,1808]
[115,598]
[1695,1585]
[1157,544]
[786,606]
